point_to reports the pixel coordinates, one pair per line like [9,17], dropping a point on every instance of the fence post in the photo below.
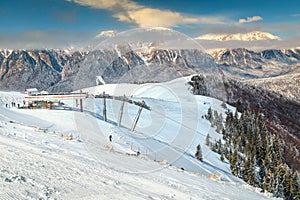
[137,117]
[104,106]
[121,111]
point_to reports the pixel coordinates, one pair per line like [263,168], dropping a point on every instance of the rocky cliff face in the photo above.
[20,69]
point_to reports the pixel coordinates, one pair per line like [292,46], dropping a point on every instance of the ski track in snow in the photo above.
[38,162]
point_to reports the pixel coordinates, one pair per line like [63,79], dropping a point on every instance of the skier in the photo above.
[110,138]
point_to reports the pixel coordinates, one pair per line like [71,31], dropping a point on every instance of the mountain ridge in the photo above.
[239,63]
[250,36]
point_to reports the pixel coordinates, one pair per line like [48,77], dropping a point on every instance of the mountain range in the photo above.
[251,36]
[44,69]
[63,70]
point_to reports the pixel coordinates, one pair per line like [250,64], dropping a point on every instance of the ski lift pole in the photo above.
[137,117]
[121,111]
[104,107]
[81,106]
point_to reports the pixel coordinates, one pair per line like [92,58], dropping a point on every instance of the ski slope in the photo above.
[66,154]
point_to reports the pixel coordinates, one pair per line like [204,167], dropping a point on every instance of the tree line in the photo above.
[254,154]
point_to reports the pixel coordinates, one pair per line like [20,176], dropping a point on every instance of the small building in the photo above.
[31,91]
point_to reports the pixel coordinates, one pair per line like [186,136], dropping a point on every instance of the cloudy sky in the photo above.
[63,23]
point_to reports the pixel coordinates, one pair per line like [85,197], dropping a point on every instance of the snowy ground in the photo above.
[65,154]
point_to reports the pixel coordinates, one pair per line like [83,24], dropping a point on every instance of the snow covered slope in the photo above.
[65,154]
[251,36]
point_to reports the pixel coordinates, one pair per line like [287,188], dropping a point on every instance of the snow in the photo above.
[100,80]
[251,36]
[41,159]
[7,52]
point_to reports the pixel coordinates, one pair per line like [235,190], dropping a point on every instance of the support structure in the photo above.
[104,107]
[121,111]
[137,116]
[81,106]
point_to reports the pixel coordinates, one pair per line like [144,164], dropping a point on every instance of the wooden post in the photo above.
[104,107]
[121,111]
[137,117]
[81,106]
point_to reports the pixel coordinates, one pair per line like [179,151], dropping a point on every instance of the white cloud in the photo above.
[149,17]
[250,19]
[132,12]
[108,4]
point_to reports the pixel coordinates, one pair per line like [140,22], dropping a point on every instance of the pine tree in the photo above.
[235,118]
[198,154]
[251,179]
[242,142]
[261,175]
[219,146]
[222,157]
[207,140]
[287,183]
[248,151]
[277,155]
[234,163]
[209,115]
[280,179]
[295,186]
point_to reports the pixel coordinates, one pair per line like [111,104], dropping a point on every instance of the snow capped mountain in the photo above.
[251,36]
[109,33]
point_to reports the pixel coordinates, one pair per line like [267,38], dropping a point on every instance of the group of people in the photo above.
[13,104]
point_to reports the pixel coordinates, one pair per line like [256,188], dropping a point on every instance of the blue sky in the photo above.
[47,23]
